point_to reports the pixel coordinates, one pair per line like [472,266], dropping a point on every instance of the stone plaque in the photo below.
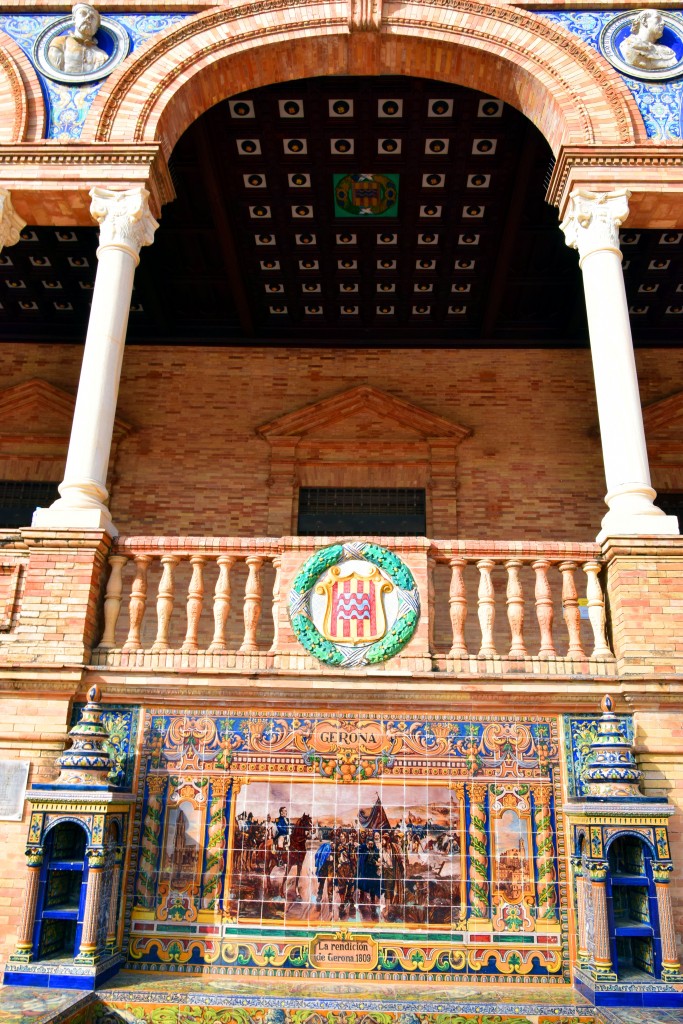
[13,779]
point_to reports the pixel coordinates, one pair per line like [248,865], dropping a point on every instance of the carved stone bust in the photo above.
[641,50]
[77,53]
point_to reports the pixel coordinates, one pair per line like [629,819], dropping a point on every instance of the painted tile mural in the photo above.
[349,846]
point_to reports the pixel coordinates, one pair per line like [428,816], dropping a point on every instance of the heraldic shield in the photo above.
[355,604]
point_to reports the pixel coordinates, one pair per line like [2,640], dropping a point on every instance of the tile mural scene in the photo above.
[350,844]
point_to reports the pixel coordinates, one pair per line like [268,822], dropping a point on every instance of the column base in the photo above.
[617,524]
[650,992]
[21,956]
[63,973]
[55,518]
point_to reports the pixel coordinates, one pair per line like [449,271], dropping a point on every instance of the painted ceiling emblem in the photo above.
[366,195]
[645,44]
[354,604]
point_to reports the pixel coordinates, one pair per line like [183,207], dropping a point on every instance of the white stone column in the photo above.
[125,226]
[592,226]
[11,224]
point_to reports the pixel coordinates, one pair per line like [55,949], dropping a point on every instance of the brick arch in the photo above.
[557,81]
[22,110]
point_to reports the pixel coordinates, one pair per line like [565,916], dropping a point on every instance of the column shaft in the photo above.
[24,950]
[125,226]
[592,226]
[88,948]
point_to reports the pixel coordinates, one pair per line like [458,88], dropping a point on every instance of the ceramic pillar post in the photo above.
[113,915]
[592,226]
[601,966]
[11,224]
[125,226]
[88,952]
[24,950]
[582,938]
[671,966]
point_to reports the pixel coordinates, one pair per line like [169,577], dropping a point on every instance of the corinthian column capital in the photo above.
[11,224]
[124,219]
[593,221]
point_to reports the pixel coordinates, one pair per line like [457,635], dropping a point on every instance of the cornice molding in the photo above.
[605,168]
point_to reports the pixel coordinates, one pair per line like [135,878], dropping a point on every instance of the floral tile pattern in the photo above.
[658,102]
[68,105]
[121,722]
[579,732]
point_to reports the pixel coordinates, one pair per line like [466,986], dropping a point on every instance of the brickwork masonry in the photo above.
[194,463]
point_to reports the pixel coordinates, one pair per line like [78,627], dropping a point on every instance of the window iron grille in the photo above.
[362,511]
[20,498]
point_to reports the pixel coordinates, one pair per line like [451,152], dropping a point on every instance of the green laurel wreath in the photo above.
[310,637]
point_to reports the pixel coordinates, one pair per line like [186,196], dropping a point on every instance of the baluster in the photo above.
[515,604]
[137,603]
[165,603]
[596,610]
[571,611]
[221,604]
[431,602]
[112,600]
[277,562]
[544,608]
[252,604]
[487,608]
[195,599]
[457,601]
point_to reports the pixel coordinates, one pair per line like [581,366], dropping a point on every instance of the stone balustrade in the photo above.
[487,607]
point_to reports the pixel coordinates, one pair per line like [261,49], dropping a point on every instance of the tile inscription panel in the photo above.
[349,845]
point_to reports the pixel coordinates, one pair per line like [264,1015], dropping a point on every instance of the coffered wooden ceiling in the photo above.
[349,211]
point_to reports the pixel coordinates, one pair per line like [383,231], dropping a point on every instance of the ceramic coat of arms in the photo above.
[354,604]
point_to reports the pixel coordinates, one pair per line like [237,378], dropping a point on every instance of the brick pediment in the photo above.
[363,412]
[36,408]
[664,419]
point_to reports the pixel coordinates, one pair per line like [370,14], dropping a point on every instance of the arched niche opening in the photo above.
[62,892]
[632,909]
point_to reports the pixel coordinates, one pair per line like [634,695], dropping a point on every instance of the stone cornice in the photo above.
[75,167]
[649,171]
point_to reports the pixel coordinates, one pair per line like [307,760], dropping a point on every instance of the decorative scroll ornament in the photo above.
[87,762]
[354,604]
[11,224]
[611,769]
[124,217]
[82,48]
[593,220]
[645,44]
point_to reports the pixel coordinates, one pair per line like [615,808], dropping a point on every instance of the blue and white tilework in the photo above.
[68,105]
[659,103]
